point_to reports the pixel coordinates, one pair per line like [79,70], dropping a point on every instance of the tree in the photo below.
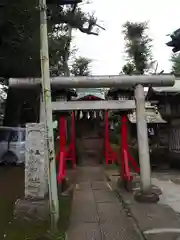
[64,21]
[176,64]
[80,67]
[175,41]
[20,43]
[128,69]
[19,39]
[19,36]
[137,47]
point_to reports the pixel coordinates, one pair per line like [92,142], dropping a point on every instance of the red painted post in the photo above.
[69,153]
[126,158]
[133,163]
[73,136]
[123,145]
[62,147]
[126,167]
[106,137]
[62,134]
[61,172]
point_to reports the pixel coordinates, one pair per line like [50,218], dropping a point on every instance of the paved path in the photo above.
[169,183]
[156,221]
[97,213]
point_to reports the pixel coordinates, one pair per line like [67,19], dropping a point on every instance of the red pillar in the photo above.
[70,153]
[106,137]
[66,154]
[73,139]
[62,148]
[123,144]
[62,133]
[126,158]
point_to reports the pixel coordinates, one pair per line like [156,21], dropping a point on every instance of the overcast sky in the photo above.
[107,50]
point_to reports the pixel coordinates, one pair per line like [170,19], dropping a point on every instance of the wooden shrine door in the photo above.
[90,141]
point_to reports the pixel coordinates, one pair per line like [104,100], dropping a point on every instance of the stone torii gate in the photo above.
[138,103]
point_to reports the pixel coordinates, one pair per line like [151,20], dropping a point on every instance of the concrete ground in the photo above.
[155,221]
[97,213]
[169,183]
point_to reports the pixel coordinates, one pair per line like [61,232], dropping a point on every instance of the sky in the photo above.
[107,49]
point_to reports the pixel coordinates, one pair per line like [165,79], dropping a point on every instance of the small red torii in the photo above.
[110,156]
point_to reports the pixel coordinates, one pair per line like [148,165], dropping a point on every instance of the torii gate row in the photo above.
[136,81]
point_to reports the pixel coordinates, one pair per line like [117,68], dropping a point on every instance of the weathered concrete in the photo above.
[36,185]
[35,205]
[170,186]
[96,211]
[156,221]
[32,210]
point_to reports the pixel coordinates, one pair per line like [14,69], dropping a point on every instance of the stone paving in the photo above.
[156,221]
[169,183]
[97,213]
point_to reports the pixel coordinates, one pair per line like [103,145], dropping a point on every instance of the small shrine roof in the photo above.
[163,91]
[86,92]
[175,88]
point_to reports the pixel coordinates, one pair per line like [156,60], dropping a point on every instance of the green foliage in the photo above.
[75,17]
[80,67]
[137,47]
[176,63]
[19,39]
[128,69]
[20,31]
[59,50]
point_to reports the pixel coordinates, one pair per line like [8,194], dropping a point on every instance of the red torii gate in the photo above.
[69,153]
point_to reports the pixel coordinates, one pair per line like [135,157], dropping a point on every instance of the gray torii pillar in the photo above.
[41,110]
[41,120]
[146,192]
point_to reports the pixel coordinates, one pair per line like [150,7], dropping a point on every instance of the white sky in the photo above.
[107,50]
